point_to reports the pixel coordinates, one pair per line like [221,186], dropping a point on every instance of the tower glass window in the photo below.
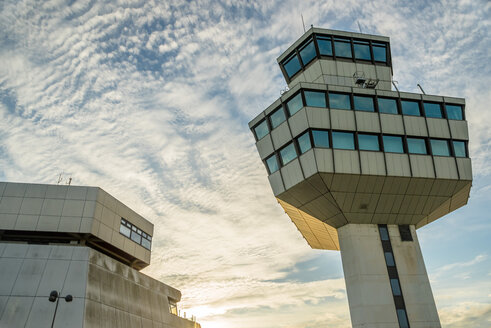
[389,259]
[277,117]
[402,318]
[307,52]
[339,101]
[315,99]
[342,47]
[321,138]
[124,230]
[379,52]
[410,108]
[393,144]
[384,234]
[432,110]
[292,65]
[272,164]
[304,142]
[362,50]
[261,129]
[387,105]
[396,289]
[343,140]
[459,149]
[288,154]
[368,142]
[295,104]
[416,146]
[363,103]
[325,45]
[454,112]
[439,147]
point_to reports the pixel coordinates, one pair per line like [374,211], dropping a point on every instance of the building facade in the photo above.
[70,257]
[359,167]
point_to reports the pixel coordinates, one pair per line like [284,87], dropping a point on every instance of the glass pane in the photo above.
[288,154]
[343,49]
[295,104]
[325,46]
[379,53]
[339,101]
[124,230]
[136,237]
[292,65]
[386,105]
[396,289]
[321,138]
[368,142]
[459,149]
[261,130]
[308,53]
[363,103]
[146,243]
[315,99]
[393,144]
[439,147]
[304,142]
[384,234]
[416,146]
[432,110]
[389,259]
[277,118]
[362,51]
[454,112]
[343,140]
[272,164]
[410,108]
[402,318]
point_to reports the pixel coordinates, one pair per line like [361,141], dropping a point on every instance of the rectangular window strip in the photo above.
[395,285]
[134,233]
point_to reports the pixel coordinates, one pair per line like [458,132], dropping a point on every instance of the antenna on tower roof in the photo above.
[421,88]
[303,23]
[359,26]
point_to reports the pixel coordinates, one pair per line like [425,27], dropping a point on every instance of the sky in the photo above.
[150,100]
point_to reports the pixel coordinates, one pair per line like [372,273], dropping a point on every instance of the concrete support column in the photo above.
[368,286]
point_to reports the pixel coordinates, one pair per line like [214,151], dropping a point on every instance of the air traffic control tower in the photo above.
[359,167]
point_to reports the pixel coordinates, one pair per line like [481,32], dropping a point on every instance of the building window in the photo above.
[321,138]
[124,229]
[362,50]
[272,164]
[363,103]
[131,231]
[343,140]
[295,104]
[173,307]
[389,259]
[368,142]
[315,99]
[339,101]
[416,146]
[379,52]
[402,318]
[432,110]
[307,52]
[387,105]
[405,232]
[393,144]
[384,234]
[459,149]
[304,142]
[325,45]
[288,154]
[261,130]
[277,117]
[439,147]
[410,108]
[342,47]
[454,112]
[292,65]
[396,289]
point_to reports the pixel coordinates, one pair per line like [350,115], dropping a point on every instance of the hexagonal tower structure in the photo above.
[359,167]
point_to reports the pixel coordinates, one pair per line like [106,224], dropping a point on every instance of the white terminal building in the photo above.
[359,167]
[70,257]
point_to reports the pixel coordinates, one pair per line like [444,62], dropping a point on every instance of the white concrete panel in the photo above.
[9,269]
[265,147]
[422,166]
[76,279]
[35,190]
[92,193]
[52,207]
[15,250]
[53,277]
[409,95]
[48,223]
[415,126]
[438,128]
[15,190]
[292,173]
[10,205]
[69,224]
[366,121]
[56,191]
[298,122]
[38,251]
[76,192]
[343,119]
[281,135]
[459,129]
[86,225]
[383,72]
[372,163]
[61,252]
[7,221]
[276,183]
[31,206]
[16,312]
[308,163]
[26,222]
[73,208]
[41,314]
[445,167]
[70,314]
[3,185]
[318,118]
[29,277]
[89,209]
[398,165]
[346,161]
[324,159]
[465,168]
